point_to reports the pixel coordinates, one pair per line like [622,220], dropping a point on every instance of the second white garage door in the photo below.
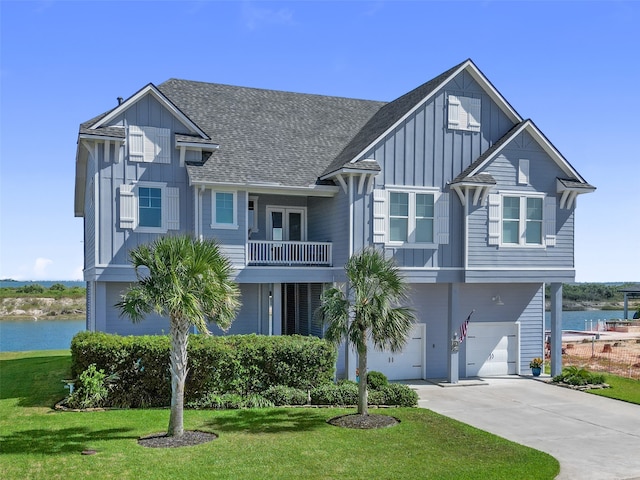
[405,365]
[492,349]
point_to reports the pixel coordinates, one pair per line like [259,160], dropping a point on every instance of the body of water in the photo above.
[586,319]
[22,335]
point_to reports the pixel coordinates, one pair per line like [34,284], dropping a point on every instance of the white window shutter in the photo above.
[550,221]
[473,113]
[494,219]
[136,144]
[173,208]
[150,140]
[163,145]
[454,112]
[523,172]
[442,219]
[127,207]
[379,216]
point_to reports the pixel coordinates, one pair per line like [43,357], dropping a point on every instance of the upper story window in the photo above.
[522,220]
[149,207]
[149,144]
[406,217]
[224,209]
[463,113]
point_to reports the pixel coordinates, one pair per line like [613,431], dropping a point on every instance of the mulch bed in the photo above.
[364,422]
[188,439]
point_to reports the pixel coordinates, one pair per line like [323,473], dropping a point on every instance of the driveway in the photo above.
[592,437]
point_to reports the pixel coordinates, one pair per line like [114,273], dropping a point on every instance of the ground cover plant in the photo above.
[39,443]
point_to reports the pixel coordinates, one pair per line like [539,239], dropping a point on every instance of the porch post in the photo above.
[454,365]
[276,309]
[556,328]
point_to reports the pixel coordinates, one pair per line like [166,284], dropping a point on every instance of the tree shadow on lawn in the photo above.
[35,381]
[269,420]
[60,441]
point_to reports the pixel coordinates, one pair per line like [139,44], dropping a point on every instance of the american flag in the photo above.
[464,327]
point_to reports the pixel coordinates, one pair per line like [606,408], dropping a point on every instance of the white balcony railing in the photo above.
[264,252]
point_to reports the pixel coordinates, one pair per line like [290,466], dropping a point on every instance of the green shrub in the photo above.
[376,380]
[332,394]
[399,395]
[92,389]
[242,364]
[578,376]
[282,395]
[376,397]
[255,400]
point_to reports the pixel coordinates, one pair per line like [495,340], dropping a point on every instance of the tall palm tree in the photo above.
[369,309]
[189,281]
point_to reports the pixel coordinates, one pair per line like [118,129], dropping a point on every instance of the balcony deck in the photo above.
[281,253]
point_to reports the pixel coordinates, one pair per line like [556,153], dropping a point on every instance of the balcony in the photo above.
[280,253]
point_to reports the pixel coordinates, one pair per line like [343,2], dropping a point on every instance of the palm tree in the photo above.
[369,309]
[189,281]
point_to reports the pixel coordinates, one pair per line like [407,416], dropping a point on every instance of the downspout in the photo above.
[465,233]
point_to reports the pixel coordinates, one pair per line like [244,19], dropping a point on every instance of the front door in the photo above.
[286,224]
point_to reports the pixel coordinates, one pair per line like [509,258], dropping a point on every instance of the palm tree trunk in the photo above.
[362,386]
[179,331]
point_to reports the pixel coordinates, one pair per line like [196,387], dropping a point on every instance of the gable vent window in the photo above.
[464,113]
[149,144]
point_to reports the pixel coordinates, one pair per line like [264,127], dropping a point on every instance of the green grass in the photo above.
[37,442]
[626,389]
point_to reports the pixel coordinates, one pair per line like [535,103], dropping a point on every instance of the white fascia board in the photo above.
[343,170]
[80,181]
[478,77]
[263,188]
[203,146]
[85,136]
[151,89]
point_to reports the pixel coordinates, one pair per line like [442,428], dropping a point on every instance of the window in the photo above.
[149,144]
[522,220]
[252,214]
[464,113]
[424,218]
[149,207]
[404,217]
[224,209]
[398,216]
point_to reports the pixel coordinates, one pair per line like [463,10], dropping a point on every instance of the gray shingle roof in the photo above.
[268,136]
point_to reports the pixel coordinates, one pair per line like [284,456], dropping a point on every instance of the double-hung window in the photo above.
[149,207]
[404,217]
[224,209]
[521,220]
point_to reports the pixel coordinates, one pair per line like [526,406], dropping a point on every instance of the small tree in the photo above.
[369,309]
[188,281]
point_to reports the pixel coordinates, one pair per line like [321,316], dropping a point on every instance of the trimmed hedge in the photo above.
[242,364]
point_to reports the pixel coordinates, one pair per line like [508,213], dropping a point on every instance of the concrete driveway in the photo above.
[592,437]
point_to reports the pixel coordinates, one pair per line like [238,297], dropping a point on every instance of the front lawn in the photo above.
[626,389]
[37,442]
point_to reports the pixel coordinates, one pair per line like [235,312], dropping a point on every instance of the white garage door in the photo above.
[492,349]
[407,364]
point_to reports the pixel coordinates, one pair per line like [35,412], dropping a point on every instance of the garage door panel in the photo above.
[404,365]
[491,349]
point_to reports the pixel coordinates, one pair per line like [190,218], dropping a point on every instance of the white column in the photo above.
[454,315]
[276,309]
[556,328]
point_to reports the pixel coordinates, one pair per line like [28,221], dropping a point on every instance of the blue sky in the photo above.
[570,66]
